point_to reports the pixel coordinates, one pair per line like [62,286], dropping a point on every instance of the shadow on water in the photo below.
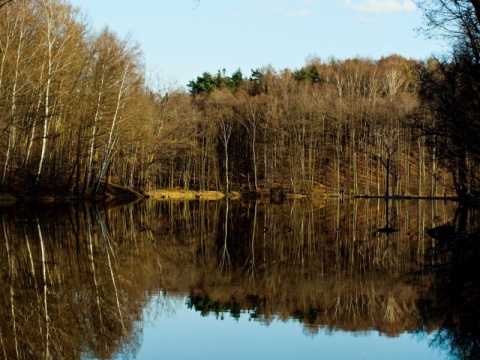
[76,279]
[455,308]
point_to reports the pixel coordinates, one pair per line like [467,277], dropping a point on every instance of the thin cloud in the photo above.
[381,6]
[293,13]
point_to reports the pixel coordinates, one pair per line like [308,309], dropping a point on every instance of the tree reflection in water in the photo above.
[61,299]
[455,308]
[75,279]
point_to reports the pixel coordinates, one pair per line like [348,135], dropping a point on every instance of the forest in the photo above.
[77,112]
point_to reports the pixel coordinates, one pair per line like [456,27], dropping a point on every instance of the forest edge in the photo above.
[123,194]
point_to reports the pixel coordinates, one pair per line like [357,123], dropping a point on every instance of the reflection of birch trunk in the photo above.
[301,239]
[225,254]
[45,290]
[371,303]
[338,305]
[11,275]
[252,244]
[392,311]
[32,269]
[107,252]
[92,264]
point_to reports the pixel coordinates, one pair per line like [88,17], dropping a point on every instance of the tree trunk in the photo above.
[111,139]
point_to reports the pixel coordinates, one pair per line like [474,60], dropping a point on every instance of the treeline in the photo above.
[325,127]
[76,111]
[341,124]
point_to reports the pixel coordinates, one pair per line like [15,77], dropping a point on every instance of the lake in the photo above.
[361,279]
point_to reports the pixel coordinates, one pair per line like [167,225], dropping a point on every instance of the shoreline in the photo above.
[120,194]
[112,193]
[165,194]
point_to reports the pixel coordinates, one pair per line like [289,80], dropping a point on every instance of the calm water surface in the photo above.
[198,280]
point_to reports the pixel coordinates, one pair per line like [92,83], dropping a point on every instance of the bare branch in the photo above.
[7,1]
[476,6]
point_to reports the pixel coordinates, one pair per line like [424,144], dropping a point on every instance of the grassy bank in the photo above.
[165,194]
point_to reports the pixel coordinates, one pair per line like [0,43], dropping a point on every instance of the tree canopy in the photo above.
[207,83]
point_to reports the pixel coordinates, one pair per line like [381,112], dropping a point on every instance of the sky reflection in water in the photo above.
[182,333]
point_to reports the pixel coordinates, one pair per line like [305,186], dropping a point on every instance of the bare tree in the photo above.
[450,90]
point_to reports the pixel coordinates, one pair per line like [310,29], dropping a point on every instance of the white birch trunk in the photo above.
[111,140]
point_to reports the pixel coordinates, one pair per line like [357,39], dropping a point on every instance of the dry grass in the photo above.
[185,195]
[7,199]
[177,194]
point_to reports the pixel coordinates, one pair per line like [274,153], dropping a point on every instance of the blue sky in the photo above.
[181,39]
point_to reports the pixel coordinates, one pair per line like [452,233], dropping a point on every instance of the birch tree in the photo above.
[57,37]
[126,81]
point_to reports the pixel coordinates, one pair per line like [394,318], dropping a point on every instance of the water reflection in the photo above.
[75,280]
[455,307]
[241,337]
